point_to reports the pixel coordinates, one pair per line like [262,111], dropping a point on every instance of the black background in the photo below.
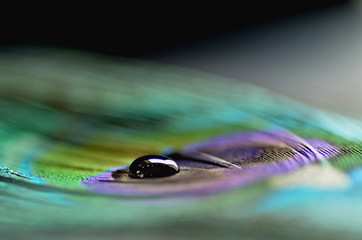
[142,29]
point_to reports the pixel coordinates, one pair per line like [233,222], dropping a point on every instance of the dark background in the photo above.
[141,29]
[310,51]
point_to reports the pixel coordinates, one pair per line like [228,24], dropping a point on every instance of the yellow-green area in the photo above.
[66,165]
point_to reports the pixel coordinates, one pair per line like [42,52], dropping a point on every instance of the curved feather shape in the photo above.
[70,120]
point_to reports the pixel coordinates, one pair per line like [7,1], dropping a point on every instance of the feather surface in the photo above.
[68,120]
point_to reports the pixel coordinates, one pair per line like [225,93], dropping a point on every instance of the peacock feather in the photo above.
[253,164]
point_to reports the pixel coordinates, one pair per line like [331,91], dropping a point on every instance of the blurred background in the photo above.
[307,50]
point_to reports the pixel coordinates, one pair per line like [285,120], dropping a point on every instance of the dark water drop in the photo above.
[153,166]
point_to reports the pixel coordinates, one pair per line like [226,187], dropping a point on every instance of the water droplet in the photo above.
[152,166]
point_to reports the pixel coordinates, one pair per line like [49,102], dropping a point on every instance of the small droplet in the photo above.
[153,166]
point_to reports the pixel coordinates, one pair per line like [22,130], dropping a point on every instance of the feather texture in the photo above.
[70,119]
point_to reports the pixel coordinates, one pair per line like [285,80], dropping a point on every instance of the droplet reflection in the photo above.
[153,166]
